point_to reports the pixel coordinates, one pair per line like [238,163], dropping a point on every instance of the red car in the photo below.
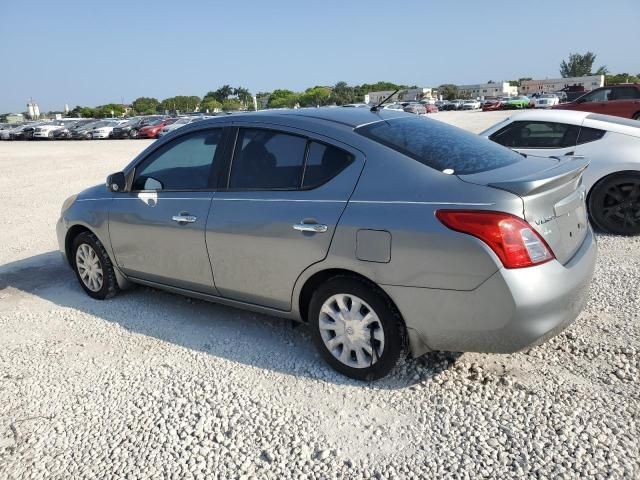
[153,129]
[491,105]
[431,108]
[617,100]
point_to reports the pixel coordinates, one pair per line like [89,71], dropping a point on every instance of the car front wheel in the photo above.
[133,133]
[356,328]
[93,267]
[614,204]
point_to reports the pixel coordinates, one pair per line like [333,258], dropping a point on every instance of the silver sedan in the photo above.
[386,232]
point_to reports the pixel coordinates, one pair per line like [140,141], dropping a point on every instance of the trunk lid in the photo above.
[553,198]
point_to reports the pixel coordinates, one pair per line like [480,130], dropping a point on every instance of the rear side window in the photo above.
[537,135]
[439,146]
[267,160]
[590,135]
[624,93]
[323,163]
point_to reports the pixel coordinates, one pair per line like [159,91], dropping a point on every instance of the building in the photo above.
[12,118]
[550,85]
[482,90]
[406,95]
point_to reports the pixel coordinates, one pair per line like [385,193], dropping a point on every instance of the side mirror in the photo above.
[116,182]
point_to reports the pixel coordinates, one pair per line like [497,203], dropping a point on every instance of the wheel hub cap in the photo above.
[351,330]
[89,267]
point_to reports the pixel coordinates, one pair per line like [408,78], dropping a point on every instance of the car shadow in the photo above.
[261,341]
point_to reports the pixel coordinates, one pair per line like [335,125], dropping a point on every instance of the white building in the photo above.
[482,90]
[406,95]
[549,85]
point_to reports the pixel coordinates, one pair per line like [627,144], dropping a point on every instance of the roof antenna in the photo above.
[375,108]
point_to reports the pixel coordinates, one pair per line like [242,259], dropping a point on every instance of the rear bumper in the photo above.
[512,310]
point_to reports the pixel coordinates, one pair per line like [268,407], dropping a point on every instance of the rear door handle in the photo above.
[184,218]
[310,227]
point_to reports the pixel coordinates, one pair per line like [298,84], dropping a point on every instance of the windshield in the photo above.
[440,146]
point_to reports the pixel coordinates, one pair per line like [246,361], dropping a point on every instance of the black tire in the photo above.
[109,283]
[390,320]
[637,116]
[614,204]
[89,136]
[133,133]
[50,135]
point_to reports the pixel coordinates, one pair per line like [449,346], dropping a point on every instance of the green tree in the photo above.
[316,96]
[621,78]
[448,91]
[145,105]
[231,104]
[244,95]
[580,65]
[282,99]
[180,103]
[210,104]
[220,94]
[109,110]
[342,93]
[83,112]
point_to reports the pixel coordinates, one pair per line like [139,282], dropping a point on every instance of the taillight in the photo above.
[510,237]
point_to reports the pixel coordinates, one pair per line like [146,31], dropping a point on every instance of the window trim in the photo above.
[211,184]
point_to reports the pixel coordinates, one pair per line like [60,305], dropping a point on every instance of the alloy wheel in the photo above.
[351,330]
[89,267]
[621,205]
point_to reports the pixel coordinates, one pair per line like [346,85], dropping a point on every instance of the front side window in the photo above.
[537,135]
[267,160]
[184,164]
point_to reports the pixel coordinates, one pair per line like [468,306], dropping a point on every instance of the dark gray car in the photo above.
[385,231]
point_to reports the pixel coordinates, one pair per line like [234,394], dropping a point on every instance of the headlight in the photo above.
[67,203]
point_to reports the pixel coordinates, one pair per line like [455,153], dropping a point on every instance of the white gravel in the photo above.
[154,385]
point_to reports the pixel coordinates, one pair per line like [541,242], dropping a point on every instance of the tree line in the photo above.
[228,98]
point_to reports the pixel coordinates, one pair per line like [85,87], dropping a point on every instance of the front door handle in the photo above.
[310,227]
[184,218]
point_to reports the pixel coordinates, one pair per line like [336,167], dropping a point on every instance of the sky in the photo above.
[93,53]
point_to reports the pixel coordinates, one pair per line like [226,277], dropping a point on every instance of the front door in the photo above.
[157,228]
[277,217]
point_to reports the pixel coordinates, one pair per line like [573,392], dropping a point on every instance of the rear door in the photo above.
[282,199]
[157,228]
[538,138]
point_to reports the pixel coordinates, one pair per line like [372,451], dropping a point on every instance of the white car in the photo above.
[546,101]
[471,105]
[105,129]
[46,130]
[611,144]
[181,122]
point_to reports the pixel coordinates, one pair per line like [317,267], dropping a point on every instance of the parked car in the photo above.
[415,107]
[617,100]
[442,104]
[86,131]
[66,132]
[106,129]
[356,105]
[180,122]
[456,104]
[28,131]
[130,129]
[47,130]
[611,144]
[8,132]
[470,105]
[153,129]
[493,104]
[546,100]
[393,106]
[518,102]
[461,246]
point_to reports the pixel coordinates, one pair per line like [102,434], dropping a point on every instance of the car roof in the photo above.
[351,117]
[574,117]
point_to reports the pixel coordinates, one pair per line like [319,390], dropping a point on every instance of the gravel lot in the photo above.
[154,385]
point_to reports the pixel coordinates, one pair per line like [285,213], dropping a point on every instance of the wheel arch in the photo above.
[604,178]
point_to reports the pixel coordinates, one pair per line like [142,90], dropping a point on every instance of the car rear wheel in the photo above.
[356,328]
[637,116]
[89,136]
[614,204]
[93,267]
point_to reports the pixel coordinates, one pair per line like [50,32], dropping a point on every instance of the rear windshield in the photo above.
[440,146]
